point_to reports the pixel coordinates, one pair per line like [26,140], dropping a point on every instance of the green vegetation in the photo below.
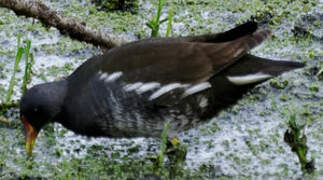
[29,61]
[163,144]
[125,5]
[28,65]
[296,139]
[170,19]
[155,22]
[26,79]
[20,51]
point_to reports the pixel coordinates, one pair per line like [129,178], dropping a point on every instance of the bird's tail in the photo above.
[252,69]
[238,78]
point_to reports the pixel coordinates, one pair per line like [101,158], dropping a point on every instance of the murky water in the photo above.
[245,141]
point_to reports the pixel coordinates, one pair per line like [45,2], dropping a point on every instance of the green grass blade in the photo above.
[30,66]
[12,80]
[155,23]
[27,66]
[164,142]
[160,7]
[170,19]
[19,40]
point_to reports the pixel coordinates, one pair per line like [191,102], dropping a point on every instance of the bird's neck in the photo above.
[57,91]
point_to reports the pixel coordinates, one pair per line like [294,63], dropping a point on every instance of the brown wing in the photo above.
[184,62]
[230,35]
[165,70]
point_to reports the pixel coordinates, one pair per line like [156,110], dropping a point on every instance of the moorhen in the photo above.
[132,90]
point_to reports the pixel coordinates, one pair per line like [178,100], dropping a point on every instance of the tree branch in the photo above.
[65,25]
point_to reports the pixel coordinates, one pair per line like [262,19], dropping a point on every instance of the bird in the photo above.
[134,89]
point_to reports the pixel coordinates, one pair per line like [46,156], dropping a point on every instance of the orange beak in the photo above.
[31,135]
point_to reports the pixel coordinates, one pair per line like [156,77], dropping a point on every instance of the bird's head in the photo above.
[38,107]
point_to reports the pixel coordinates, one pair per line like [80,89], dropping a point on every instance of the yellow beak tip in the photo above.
[29,148]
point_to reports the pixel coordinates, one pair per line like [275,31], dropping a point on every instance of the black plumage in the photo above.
[134,89]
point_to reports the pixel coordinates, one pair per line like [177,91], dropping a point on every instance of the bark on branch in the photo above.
[65,25]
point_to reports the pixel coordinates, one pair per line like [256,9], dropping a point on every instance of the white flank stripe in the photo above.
[133,86]
[103,76]
[114,76]
[249,78]
[203,102]
[197,88]
[165,89]
[239,51]
[148,86]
